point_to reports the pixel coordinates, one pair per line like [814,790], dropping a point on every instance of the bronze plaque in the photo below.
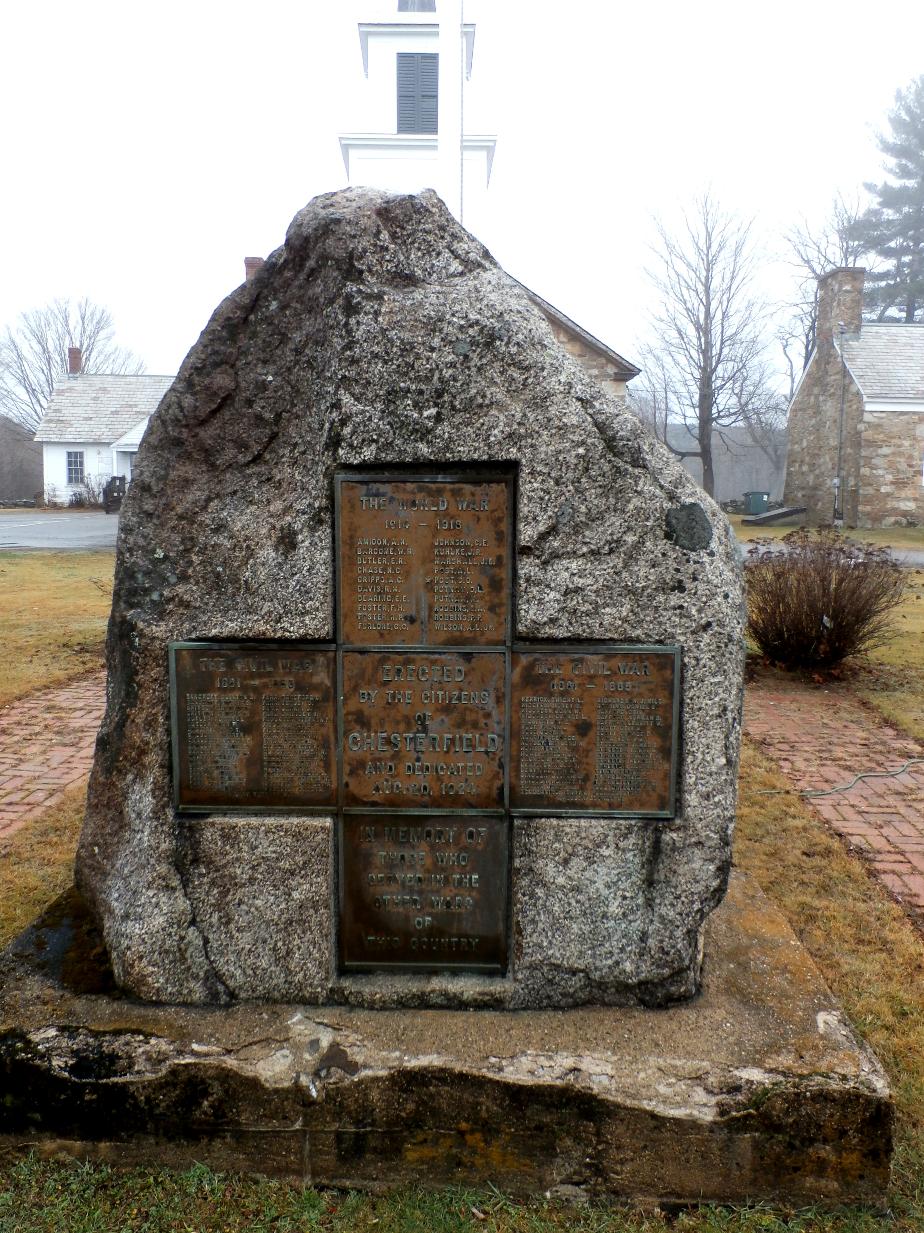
[423,892]
[424,729]
[424,561]
[594,730]
[253,725]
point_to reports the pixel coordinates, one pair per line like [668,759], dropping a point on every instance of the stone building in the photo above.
[606,366]
[856,422]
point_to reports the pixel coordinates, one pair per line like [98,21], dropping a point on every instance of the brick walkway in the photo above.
[822,738]
[46,747]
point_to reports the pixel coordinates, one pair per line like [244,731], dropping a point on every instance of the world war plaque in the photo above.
[425,728]
[424,559]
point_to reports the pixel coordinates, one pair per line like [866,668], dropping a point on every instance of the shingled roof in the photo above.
[887,361]
[623,368]
[100,408]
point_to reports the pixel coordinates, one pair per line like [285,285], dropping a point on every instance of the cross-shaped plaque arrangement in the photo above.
[425,727]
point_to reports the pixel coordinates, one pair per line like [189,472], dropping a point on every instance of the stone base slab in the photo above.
[755,1090]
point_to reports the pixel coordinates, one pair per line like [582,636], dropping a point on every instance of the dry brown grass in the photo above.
[53,612]
[37,863]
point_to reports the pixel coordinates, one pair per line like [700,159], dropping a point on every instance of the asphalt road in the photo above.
[59,531]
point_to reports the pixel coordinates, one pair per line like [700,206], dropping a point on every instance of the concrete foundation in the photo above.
[755,1090]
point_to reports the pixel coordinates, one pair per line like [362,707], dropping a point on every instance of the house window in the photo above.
[418,87]
[416,6]
[75,466]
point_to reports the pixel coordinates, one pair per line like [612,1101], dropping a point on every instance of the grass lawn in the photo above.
[53,612]
[892,678]
[894,537]
[869,953]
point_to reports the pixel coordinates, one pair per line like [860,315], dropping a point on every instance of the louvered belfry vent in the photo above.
[418,89]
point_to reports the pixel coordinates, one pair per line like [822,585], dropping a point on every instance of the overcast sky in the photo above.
[148,148]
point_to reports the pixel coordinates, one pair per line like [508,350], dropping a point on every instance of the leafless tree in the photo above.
[709,370]
[33,354]
[814,250]
[832,245]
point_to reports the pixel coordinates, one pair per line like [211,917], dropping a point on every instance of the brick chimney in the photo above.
[251,265]
[74,362]
[840,300]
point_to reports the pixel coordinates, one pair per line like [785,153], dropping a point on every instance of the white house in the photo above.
[92,428]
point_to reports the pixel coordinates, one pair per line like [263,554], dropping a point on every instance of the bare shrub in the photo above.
[93,486]
[821,598]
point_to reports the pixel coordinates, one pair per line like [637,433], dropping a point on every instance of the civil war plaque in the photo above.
[253,725]
[424,560]
[424,891]
[424,729]
[594,730]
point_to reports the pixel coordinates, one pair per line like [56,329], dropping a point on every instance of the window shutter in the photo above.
[428,82]
[407,92]
[418,91]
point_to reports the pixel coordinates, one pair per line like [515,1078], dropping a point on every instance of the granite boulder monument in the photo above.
[425,662]
[424,694]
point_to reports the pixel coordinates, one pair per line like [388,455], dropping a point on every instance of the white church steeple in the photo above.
[417,66]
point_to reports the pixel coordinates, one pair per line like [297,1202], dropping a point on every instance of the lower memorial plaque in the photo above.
[425,891]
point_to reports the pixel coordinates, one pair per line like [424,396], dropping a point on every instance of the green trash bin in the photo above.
[756,502]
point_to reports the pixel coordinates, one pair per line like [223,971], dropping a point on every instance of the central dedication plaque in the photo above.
[425,728]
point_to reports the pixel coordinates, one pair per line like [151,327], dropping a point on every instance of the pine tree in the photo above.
[893,228]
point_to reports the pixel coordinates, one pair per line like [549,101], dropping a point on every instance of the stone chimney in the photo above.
[840,300]
[251,265]
[74,362]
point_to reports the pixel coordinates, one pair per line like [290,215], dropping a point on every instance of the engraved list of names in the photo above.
[424,563]
[253,725]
